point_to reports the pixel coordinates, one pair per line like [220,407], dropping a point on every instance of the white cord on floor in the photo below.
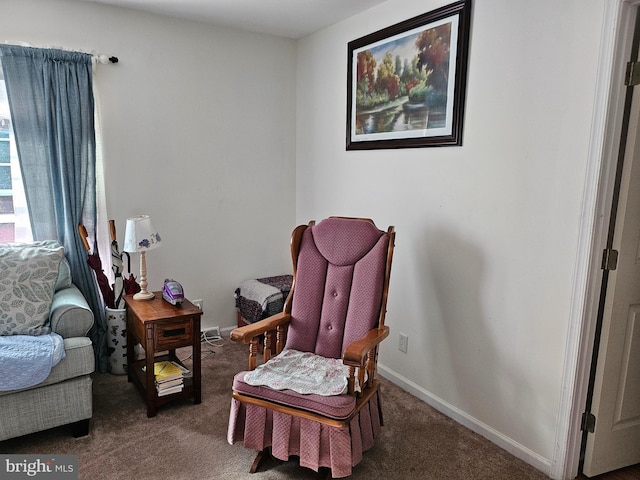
[210,339]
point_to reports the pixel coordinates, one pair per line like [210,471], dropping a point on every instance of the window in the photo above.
[14,215]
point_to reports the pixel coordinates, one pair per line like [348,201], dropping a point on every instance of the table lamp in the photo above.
[140,236]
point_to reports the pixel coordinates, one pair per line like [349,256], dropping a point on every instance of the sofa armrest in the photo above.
[70,313]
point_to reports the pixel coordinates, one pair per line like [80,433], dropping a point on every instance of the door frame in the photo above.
[615,47]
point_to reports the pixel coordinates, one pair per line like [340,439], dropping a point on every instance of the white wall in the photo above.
[487,232]
[199,132]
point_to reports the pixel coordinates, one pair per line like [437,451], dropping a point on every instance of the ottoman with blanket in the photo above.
[261,298]
[46,357]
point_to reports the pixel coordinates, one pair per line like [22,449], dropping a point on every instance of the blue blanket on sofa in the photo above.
[27,360]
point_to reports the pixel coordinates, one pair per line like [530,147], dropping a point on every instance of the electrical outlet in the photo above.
[404,343]
[198,303]
[211,333]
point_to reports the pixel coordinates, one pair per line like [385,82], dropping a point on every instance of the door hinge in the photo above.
[588,422]
[609,259]
[632,77]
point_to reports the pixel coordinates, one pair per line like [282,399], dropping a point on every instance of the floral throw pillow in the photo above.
[28,275]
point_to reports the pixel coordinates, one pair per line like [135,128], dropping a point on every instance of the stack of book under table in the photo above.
[169,377]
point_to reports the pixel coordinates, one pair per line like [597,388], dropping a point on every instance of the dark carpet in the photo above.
[186,441]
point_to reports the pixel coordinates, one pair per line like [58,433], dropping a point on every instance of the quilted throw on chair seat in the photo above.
[302,372]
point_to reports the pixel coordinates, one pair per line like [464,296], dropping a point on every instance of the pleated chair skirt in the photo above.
[317,445]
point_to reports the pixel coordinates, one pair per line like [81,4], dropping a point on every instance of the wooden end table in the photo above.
[159,326]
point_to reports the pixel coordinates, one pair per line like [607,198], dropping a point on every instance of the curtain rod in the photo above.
[99,58]
[105,59]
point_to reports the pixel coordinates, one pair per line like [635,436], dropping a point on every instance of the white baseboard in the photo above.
[501,440]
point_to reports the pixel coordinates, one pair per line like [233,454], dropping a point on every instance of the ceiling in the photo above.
[286,18]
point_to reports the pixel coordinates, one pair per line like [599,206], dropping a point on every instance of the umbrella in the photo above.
[93,259]
[116,266]
[130,284]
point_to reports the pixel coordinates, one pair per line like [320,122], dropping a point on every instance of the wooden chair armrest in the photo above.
[357,351]
[246,333]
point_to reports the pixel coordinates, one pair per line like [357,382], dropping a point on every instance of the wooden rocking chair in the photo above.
[336,310]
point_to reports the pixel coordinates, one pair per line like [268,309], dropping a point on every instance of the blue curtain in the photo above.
[51,101]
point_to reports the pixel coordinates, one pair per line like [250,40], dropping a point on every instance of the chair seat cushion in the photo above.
[336,406]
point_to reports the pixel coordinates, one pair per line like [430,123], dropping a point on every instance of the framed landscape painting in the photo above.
[406,83]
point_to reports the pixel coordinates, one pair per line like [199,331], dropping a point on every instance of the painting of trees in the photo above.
[406,82]
[382,78]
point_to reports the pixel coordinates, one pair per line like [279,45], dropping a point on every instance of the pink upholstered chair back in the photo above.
[338,285]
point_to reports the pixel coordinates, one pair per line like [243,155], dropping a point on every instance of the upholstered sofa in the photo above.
[65,395]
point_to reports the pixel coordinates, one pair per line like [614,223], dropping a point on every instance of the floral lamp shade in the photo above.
[140,234]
